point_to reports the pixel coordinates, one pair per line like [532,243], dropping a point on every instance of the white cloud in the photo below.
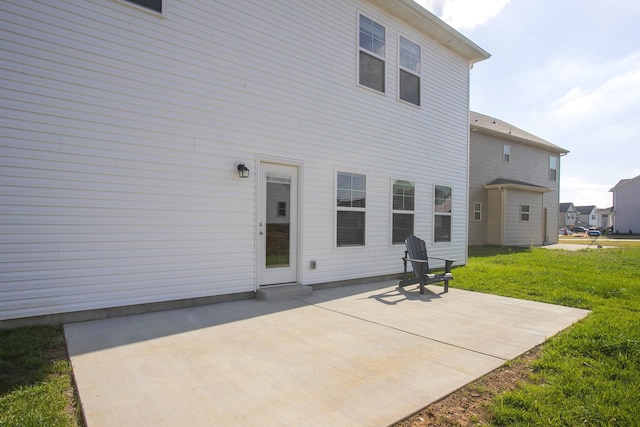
[464,14]
[575,90]
[584,193]
[611,90]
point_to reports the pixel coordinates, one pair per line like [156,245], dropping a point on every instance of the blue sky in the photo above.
[567,71]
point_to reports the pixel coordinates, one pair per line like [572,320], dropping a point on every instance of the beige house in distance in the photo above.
[513,185]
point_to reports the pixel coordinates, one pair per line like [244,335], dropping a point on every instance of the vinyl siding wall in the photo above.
[120,129]
[526,164]
[627,207]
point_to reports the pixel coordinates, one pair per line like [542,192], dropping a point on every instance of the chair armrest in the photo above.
[441,259]
[424,261]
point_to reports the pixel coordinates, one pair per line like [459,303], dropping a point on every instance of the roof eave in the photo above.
[517,187]
[428,23]
[525,141]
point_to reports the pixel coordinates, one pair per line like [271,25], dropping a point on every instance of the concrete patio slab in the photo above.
[365,355]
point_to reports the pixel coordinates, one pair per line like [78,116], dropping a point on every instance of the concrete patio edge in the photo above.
[368,354]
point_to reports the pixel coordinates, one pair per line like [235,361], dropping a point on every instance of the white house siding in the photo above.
[626,203]
[528,164]
[120,129]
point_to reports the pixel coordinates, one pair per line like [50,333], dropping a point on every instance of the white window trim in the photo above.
[528,213]
[400,67]
[358,49]
[433,210]
[394,211]
[506,153]
[557,161]
[474,211]
[337,208]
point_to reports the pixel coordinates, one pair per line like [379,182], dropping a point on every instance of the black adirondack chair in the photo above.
[416,254]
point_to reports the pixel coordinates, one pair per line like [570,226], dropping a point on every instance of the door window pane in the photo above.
[278,222]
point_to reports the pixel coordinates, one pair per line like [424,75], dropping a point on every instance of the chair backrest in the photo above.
[417,249]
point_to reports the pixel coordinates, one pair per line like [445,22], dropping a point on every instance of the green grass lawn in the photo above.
[36,386]
[589,375]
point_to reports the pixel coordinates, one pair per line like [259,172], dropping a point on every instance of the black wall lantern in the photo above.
[243,171]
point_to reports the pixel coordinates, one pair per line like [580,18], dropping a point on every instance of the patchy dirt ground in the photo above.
[467,407]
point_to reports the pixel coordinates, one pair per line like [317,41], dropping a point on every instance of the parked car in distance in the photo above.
[564,231]
[593,231]
[579,229]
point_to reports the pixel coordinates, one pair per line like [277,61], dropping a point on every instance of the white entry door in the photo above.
[277,224]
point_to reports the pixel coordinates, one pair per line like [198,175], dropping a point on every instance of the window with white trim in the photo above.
[553,168]
[506,153]
[155,5]
[409,72]
[371,54]
[477,211]
[403,210]
[442,213]
[524,212]
[351,195]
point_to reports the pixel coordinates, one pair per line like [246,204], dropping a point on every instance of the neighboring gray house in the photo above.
[513,185]
[626,206]
[588,216]
[568,215]
[125,123]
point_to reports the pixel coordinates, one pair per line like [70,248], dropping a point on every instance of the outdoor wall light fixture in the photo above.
[243,171]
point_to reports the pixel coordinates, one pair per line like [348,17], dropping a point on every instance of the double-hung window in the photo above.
[371,54]
[506,153]
[553,168]
[477,211]
[403,210]
[524,212]
[442,214]
[351,194]
[409,77]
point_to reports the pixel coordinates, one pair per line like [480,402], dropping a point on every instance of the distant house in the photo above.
[605,218]
[626,205]
[513,185]
[588,216]
[568,215]
[159,152]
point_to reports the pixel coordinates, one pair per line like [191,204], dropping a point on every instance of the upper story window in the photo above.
[403,210]
[553,168]
[371,62]
[442,214]
[506,153]
[351,194]
[409,78]
[155,5]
